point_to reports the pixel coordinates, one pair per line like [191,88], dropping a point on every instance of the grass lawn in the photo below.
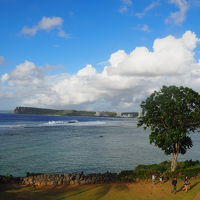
[121,191]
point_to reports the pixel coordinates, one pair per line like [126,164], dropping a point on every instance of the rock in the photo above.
[62,179]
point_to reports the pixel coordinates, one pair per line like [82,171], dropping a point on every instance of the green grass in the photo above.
[122,191]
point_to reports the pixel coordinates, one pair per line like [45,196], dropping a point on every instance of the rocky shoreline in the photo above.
[40,180]
[141,172]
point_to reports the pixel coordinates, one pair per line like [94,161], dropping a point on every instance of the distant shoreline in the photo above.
[53,112]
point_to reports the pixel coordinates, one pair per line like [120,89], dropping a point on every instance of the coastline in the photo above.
[129,185]
[142,189]
[53,112]
[141,172]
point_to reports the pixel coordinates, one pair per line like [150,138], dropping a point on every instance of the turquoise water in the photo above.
[48,144]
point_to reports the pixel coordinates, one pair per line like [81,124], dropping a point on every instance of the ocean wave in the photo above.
[54,124]
[12,126]
[59,123]
[90,123]
[73,123]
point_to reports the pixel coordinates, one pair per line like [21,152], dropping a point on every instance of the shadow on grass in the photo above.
[194,185]
[75,192]
[102,191]
[190,188]
[18,192]
[121,187]
[180,189]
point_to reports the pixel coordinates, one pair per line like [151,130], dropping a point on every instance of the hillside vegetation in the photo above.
[44,111]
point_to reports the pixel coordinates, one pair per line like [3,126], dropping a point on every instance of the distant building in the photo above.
[102,114]
[119,114]
[129,114]
[97,114]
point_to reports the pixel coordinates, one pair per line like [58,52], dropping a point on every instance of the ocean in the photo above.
[63,144]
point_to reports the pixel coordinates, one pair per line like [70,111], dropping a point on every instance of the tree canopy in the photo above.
[171,114]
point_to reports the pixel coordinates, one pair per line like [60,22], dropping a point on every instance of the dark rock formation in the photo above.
[31,110]
[62,179]
[69,179]
[45,111]
[10,180]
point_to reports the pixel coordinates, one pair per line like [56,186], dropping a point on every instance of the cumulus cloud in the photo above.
[24,75]
[46,24]
[179,16]
[147,9]
[123,83]
[170,56]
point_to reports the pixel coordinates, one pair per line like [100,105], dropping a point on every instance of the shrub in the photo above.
[187,168]
[128,175]
[187,163]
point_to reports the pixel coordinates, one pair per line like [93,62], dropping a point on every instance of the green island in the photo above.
[45,111]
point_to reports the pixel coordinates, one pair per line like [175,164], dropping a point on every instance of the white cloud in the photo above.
[123,83]
[126,4]
[4,77]
[2,60]
[147,9]
[24,75]
[179,16]
[46,24]
[170,56]
[87,71]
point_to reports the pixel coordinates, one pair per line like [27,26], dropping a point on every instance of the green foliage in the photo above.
[181,173]
[128,175]
[187,168]
[171,114]
[190,171]
[187,164]
[155,168]
[145,171]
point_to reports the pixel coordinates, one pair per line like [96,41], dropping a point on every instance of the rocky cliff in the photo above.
[44,111]
[31,110]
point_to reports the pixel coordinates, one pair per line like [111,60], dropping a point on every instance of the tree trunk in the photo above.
[174,162]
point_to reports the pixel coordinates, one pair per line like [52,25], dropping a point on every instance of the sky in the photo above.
[101,55]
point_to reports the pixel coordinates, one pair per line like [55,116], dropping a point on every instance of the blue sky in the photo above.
[49,42]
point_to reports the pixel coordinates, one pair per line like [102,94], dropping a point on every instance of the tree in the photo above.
[171,114]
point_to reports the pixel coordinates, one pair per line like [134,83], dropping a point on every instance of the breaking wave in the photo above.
[55,124]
